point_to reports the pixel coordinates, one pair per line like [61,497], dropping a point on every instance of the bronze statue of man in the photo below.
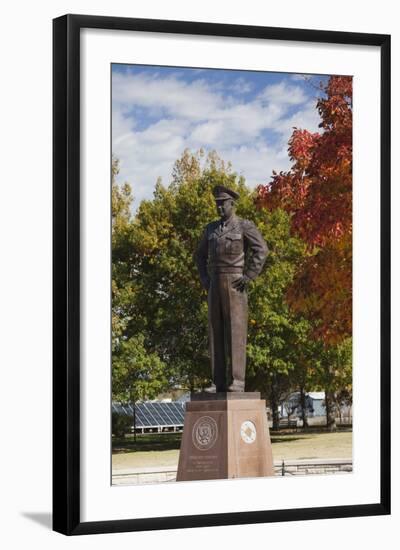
[231,253]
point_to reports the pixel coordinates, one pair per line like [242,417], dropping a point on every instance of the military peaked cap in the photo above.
[221,193]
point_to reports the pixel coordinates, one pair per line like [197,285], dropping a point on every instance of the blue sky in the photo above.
[246,116]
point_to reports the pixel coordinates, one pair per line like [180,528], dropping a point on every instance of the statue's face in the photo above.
[225,208]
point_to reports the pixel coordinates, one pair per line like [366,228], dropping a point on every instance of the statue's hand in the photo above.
[206,284]
[241,283]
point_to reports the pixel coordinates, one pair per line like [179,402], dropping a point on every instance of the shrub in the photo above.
[121,424]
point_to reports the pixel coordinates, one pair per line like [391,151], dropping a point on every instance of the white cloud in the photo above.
[169,95]
[299,77]
[283,94]
[197,114]
[241,86]
[256,163]
[306,118]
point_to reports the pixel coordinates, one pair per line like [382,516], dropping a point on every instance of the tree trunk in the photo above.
[275,419]
[134,421]
[275,411]
[330,411]
[340,414]
[303,406]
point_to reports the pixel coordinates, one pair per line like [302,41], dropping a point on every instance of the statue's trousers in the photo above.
[228,313]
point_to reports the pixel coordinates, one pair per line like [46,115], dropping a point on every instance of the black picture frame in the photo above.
[66,273]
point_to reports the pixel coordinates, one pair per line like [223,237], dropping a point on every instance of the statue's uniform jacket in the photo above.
[225,253]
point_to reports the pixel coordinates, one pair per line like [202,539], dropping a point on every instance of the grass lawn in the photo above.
[163,449]
[303,446]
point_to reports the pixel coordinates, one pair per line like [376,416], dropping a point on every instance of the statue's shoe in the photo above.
[210,389]
[236,387]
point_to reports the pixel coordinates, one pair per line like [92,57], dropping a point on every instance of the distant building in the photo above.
[315,406]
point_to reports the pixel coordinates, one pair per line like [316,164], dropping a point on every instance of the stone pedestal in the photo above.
[225,435]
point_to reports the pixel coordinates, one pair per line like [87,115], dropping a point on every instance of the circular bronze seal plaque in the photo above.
[204,433]
[248,431]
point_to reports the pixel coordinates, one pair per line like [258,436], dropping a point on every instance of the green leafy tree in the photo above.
[333,374]
[123,291]
[136,373]
[169,299]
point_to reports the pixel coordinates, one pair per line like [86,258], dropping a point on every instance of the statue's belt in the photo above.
[226,269]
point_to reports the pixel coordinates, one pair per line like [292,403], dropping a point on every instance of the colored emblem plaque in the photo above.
[248,431]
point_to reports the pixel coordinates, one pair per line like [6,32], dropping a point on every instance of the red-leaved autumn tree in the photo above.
[317,191]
